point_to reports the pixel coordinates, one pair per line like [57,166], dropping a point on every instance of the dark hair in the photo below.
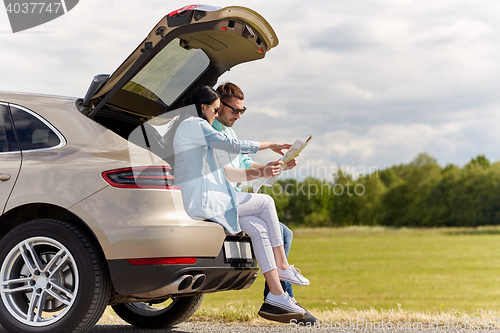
[203,95]
[228,89]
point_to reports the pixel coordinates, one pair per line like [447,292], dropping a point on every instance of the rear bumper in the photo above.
[207,275]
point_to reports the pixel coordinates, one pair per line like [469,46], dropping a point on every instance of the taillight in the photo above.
[161,261]
[207,8]
[157,177]
[183,9]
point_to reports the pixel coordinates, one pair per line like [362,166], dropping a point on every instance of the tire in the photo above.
[52,279]
[171,312]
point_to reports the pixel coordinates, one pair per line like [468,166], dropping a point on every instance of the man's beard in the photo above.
[227,124]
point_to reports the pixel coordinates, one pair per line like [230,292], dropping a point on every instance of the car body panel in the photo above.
[138,223]
[10,164]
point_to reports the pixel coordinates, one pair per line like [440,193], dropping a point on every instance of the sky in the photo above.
[375,82]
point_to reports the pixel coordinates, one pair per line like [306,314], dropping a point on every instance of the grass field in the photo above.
[362,268]
[374,273]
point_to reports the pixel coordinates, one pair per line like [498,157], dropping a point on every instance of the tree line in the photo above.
[418,194]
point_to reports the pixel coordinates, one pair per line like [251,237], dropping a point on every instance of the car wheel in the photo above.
[160,314]
[51,279]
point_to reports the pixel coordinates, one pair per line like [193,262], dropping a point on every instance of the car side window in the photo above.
[8,141]
[32,132]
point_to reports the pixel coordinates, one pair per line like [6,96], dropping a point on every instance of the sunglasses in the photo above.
[216,110]
[235,111]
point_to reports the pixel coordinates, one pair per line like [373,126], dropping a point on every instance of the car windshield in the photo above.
[169,74]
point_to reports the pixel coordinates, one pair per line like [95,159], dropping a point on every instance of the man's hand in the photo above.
[292,164]
[278,147]
[272,169]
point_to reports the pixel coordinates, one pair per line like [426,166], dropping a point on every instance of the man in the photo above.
[231,109]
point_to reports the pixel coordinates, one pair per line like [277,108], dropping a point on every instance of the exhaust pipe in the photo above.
[198,281]
[189,283]
[183,283]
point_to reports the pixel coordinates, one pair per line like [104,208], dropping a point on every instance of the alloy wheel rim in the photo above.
[39,281]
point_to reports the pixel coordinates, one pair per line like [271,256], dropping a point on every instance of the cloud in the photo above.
[349,36]
[270,112]
[462,31]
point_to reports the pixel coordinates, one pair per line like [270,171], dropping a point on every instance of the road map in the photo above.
[292,153]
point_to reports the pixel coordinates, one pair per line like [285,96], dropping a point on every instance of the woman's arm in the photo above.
[269,170]
[215,139]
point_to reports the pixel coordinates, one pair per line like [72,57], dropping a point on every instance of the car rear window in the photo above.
[33,133]
[169,74]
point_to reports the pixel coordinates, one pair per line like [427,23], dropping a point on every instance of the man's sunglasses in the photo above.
[235,111]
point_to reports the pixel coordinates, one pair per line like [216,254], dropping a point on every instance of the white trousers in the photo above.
[259,220]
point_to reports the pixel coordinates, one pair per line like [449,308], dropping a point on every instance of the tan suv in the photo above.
[89,214]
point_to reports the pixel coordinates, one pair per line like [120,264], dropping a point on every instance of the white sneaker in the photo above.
[292,275]
[283,301]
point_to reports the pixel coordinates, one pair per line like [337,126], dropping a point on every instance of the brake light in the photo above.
[156,177]
[180,10]
[161,261]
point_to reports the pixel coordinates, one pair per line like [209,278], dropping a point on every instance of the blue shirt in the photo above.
[240,161]
[199,171]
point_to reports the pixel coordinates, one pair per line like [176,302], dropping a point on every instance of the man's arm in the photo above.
[256,165]
[246,162]
[290,165]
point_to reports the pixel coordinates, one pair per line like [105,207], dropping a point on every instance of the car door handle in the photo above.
[4,177]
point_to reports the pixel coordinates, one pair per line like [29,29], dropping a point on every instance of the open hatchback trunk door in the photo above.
[191,46]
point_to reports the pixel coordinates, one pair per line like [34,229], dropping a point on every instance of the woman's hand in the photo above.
[272,169]
[274,146]
[278,147]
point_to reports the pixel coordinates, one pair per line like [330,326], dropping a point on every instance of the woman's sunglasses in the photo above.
[215,109]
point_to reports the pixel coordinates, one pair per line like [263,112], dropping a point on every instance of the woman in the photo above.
[207,193]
